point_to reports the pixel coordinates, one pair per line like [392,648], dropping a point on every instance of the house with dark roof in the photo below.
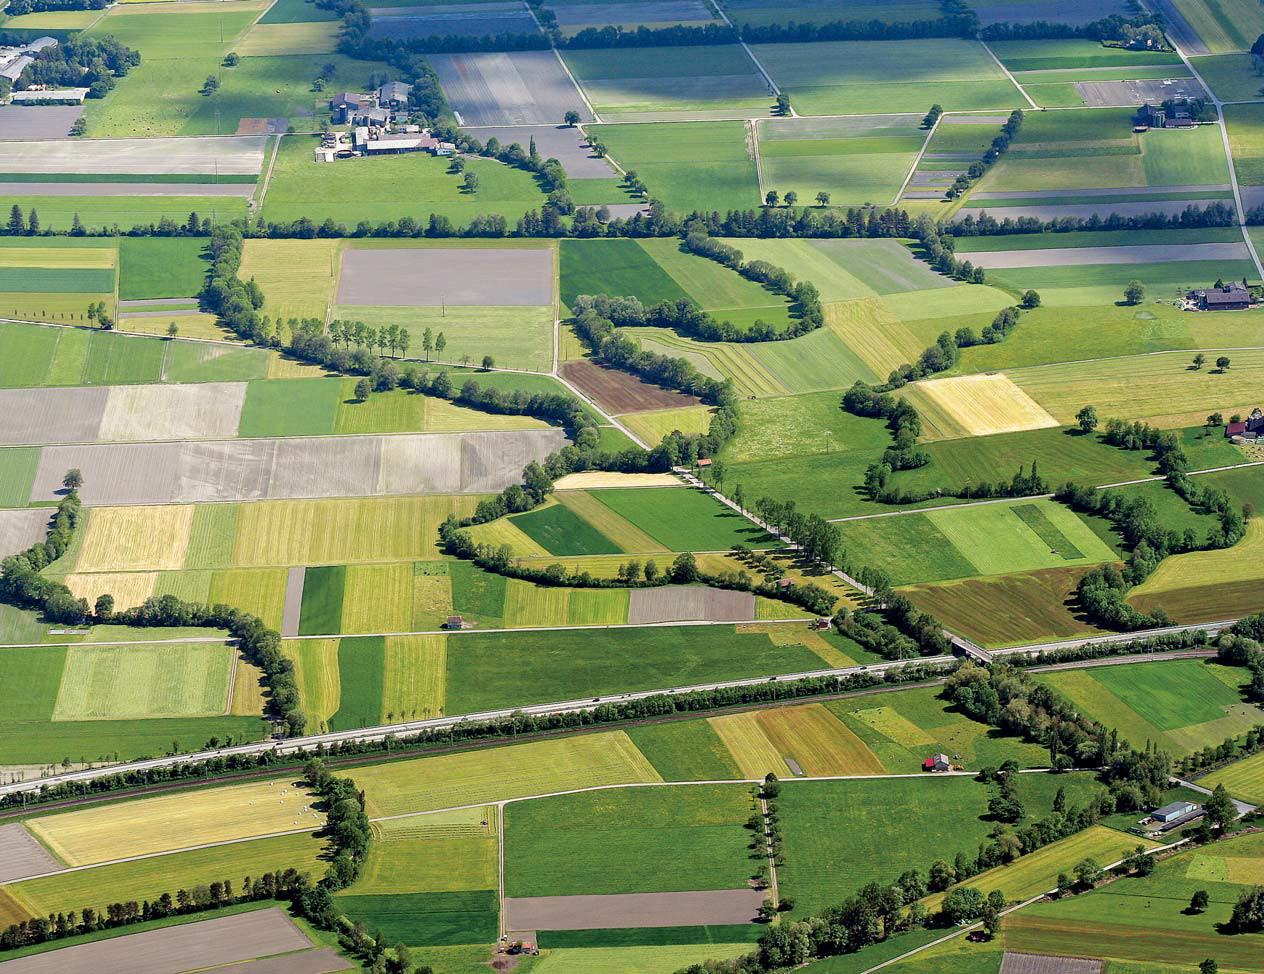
[937,762]
[1231,297]
[1249,428]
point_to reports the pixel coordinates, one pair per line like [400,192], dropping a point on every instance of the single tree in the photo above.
[1215,419]
[822,198]
[105,606]
[1031,299]
[571,118]
[232,59]
[172,330]
[441,342]
[427,343]
[470,183]
[404,341]
[363,390]
[1134,293]
[1198,902]
[73,479]
[1199,360]
[489,363]
[1209,966]
[783,104]
[17,222]
[1221,812]
[33,223]
[1087,418]
[1222,363]
[792,198]
[772,197]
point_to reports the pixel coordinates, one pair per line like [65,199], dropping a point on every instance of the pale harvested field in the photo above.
[1014,963]
[415,676]
[291,615]
[880,339]
[171,950]
[191,325]
[342,531]
[167,822]
[378,598]
[22,528]
[21,855]
[503,277]
[683,603]
[347,466]
[316,672]
[504,531]
[695,908]
[144,681]
[247,699]
[129,589]
[122,539]
[326,960]
[986,404]
[208,410]
[618,529]
[263,40]
[817,741]
[51,415]
[236,155]
[596,479]
[522,88]
[754,753]
[495,774]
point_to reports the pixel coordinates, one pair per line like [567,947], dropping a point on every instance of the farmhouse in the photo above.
[13,60]
[50,96]
[1249,428]
[1174,811]
[1175,115]
[344,104]
[1232,297]
[937,762]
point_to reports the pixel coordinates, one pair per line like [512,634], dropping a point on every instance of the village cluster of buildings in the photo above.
[14,60]
[379,126]
[1180,116]
[1247,430]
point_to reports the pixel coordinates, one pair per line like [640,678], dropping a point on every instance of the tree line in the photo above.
[1116,28]
[17,8]
[998,148]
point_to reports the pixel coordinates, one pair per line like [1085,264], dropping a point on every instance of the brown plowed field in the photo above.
[21,855]
[695,908]
[685,603]
[621,392]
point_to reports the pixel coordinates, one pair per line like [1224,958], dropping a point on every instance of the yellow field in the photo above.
[136,828]
[296,276]
[120,682]
[268,39]
[415,676]
[336,532]
[443,416]
[284,367]
[599,566]
[1243,779]
[445,852]
[596,479]
[57,257]
[191,325]
[57,308]
[128,588]
[11,911]
[877,337]
[766,608]
[890,723]
[316,672]
[498,773]
[622,532]
[1245,560]
[504,531]
[654,425]
[247,698]
[817,741]
[754,753]
[1037,872]
[432,600]
[260,591]
[123,539]
[378,598]
[527,604]
[983,404]
[149,878]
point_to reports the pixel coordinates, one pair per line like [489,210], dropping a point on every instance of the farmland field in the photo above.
[1243,779]
[632,80]
[683,520]
[1201,585]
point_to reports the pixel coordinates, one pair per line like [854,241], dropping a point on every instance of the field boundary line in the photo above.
[579,89]
[918,161]
[1012,80]
[500,865]
[759,165]
[262,188]
[719,8]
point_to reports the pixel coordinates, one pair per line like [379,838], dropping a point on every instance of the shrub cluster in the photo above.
[95,63]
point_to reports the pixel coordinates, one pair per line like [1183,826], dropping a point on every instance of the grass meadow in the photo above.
[683,520]
[426,919]
[688,165]
[668,79]
[562,532]
[1183,706]
[161,267]
[1243,779]
[854,77]
[636,840]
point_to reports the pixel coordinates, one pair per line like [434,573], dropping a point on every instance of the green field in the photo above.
[161,267]
[516,337]
[614,267]
[290,407]
[295,12]
[840,835]
[143,681]
[1243,779]
[665,79]
[196,362]
[301,187]
[426,919]
[1224,25]
[687,165]
[322,600]
[361,673]
[1245,124]
[56,280]
[58,212]
[1183,705]
[682,520]
[1051,55]
[562,532]
[636,840]
[687,750]
[508,669]
[1146,921]
[855,77]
